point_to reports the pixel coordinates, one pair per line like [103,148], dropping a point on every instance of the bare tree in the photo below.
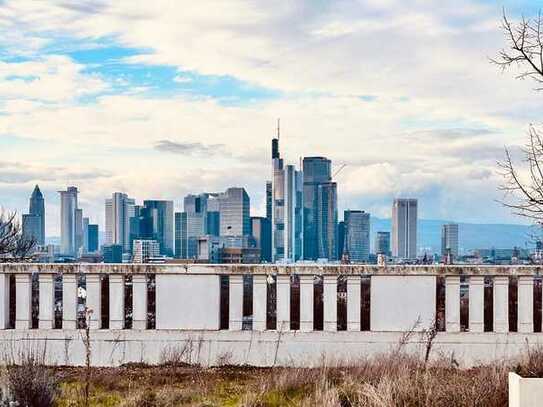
[525,47]
[523,185]
[14,246]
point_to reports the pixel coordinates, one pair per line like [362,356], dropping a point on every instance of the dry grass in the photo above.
[396,379]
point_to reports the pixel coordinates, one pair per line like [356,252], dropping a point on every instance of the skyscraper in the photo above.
[382,243]
[119,210]
[287,208]
[357,235]
[79,239]
[92,238]
[68,226]
[34,221]
[317,171]
[327,220]
[235,217]
[404,228]
[191,224]
[261,231]
[86,235]
[269,189]
[449,239]
[161,213]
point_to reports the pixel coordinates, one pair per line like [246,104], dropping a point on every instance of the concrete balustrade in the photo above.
[188,306]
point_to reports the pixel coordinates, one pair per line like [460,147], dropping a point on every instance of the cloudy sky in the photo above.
[162,98]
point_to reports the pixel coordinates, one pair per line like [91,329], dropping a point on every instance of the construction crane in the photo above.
[339,170]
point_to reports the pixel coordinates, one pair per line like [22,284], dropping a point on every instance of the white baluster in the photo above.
[236,303]
[283,302]
[260,290]
[46,314]
[139,301]
[353,302]
[526,304]
[23,296]
[94,299]
[116,301]
[476,303]
[501,304]
[69,301]
[306,302]
[330,303]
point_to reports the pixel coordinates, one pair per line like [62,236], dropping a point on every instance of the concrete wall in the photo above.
[188,311]
[525,392]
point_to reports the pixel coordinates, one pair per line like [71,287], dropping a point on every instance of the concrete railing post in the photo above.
[260,290]
[116,301]
[23,296]
[501,304]
[353,302]
[306,302]
[330,303]
[94,300]
[4,301]
[46,318]
[69,301]
[476,303]
[139,301]
[452,303]
[236,303]
[283,303]
[526,304]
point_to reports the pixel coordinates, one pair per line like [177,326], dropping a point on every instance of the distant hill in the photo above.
[471,235]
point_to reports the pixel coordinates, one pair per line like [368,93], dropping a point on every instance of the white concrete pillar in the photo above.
[330,303]
[452,303]
[116,301]
[23,296]
[69,301]
[260,296]
[501,304]
[306,302]
[139,301]
[526,304]
[4,301]
[46,316]
[476,303]
[353,302]
[235,302]
[283,303]
[94,299]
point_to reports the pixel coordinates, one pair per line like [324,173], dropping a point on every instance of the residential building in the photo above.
[68,221]
[143,250]
[382,243]
[404,228]
[119,210]
[357,235]
[449,240]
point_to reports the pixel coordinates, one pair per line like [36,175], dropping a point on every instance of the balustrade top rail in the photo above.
[300,269]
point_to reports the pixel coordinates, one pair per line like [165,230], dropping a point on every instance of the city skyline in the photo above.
[88,101]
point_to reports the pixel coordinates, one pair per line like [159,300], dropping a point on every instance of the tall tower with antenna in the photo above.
[287,205]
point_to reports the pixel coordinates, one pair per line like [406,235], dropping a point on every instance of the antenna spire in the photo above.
[278,128]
